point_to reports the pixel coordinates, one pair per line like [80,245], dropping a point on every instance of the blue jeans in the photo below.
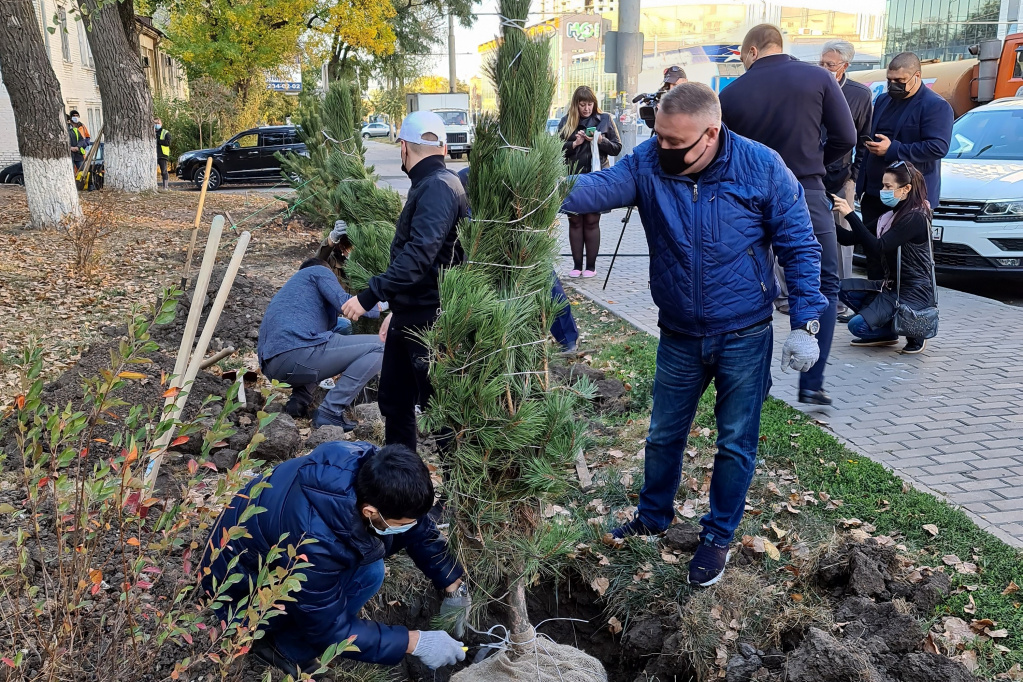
[364,584]
[739,363]
[343,327]
[564,329]
[858,327]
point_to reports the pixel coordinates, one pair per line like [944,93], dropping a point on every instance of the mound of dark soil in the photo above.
[239,322]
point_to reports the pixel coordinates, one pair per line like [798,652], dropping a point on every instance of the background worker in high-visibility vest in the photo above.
[163,150]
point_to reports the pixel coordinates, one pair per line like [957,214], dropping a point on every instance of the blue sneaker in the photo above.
[634,527]
[708,564]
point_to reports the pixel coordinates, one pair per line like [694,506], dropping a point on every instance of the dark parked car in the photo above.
[12,175]
[248,156]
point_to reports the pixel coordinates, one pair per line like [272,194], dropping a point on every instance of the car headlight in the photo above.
[1010,210]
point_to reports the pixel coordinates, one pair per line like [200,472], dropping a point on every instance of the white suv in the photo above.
[978,226]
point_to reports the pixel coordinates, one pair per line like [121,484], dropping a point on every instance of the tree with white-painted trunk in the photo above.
[129,151]
[38,116]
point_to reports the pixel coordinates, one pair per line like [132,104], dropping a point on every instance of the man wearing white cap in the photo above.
[425,240]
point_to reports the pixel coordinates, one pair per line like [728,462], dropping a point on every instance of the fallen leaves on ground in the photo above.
[43,301]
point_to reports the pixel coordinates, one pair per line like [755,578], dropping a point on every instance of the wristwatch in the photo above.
[812,327]
[461,591]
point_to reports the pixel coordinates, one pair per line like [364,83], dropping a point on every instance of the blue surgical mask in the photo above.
[157,126]
[392,530]
[889,199]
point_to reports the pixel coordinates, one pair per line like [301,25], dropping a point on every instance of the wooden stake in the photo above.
[209,362]
[195,225]
[583,471]
[198,298]
[160,447]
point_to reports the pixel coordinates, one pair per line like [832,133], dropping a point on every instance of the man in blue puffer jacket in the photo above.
[360,505]
[713,205]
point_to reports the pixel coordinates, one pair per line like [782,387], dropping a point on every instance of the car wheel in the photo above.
[366,136]
[455,156]
[215,177]
[18,179]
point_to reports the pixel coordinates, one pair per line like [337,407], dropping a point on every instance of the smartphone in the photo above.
[866,138]
[590,131]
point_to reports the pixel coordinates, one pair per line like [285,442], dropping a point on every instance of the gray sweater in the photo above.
[303,313]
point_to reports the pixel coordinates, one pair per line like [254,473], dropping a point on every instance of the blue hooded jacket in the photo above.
[314,497]
[711,241]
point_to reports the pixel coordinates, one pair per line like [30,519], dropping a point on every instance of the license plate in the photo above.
[937,231]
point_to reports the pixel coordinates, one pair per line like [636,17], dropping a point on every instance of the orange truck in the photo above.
[995,72]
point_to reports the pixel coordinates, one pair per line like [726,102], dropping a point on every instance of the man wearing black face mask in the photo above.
[425,240]
[910,123]
[714,205]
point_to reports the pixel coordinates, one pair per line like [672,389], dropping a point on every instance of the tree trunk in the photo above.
[130,151]
[521,628]
[38,116]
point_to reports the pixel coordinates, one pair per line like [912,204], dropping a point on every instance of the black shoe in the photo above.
[914,346]
[869,343]
[296,409]
[323,418]
[814,397]
[634,527]
[845,317]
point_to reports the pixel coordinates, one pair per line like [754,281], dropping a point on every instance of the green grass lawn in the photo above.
[813,461]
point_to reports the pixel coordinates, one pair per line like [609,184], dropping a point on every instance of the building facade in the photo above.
[939,29]
[72,62]
[701,36]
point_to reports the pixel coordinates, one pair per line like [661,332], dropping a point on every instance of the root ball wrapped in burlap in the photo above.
[541,661]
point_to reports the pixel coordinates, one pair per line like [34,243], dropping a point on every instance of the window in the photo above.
[248,140]
[83,45]
[273,139]
[1017,69]
[991,135]
[65,43]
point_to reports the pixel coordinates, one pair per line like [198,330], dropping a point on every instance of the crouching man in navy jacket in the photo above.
[714,205]
[360,504]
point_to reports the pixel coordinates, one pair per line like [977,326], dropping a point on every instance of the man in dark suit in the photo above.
[910,123]
[791,106]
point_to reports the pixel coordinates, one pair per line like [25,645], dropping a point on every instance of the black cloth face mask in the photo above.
[898,90]
[673,161]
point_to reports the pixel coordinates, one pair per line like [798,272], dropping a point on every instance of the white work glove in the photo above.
[437,648]
[455,610]
[340,229]
[800,351]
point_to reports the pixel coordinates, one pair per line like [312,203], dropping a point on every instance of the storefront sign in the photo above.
[583,30]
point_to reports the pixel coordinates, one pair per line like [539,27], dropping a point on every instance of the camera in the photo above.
[648,108]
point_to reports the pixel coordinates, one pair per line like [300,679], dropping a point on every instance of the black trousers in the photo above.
[163,170]
[404,377]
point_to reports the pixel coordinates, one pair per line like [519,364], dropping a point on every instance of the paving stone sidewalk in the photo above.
[950,420]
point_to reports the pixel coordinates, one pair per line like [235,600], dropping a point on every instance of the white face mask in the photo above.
[74,119]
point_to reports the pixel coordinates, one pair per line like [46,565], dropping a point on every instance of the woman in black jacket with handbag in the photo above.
[576,128]
[903,233]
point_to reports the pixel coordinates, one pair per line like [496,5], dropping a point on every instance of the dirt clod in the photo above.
[867,620]
[931,592]
[324,434]
[645,636]
[685,537]
[822,658]
[927,667]
[282,439]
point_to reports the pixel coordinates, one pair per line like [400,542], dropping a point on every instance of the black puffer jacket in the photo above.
[425,240]
[580,159]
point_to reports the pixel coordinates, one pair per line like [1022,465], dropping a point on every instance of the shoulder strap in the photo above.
[898,273]
[934,278]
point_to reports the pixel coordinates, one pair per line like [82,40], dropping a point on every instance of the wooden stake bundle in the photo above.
[198,298]
[160,447]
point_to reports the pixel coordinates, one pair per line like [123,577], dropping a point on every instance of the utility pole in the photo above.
[452,75]
[630,63]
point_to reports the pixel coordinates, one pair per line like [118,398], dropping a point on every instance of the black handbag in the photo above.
[916,324]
